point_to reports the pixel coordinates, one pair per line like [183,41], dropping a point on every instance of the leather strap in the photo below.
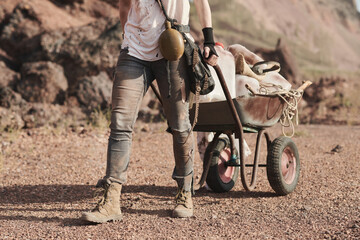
[263,67]
[173,21]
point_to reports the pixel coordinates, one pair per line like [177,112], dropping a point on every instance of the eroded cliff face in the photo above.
[80,40]
[322,34]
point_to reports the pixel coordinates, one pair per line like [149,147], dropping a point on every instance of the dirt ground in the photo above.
[48,177]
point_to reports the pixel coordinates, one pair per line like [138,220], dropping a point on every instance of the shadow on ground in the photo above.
[238,194]
[25,194]
[43,194]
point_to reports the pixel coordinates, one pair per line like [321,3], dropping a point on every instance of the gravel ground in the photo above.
[48,177]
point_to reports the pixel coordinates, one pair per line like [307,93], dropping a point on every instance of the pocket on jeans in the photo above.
[124,53]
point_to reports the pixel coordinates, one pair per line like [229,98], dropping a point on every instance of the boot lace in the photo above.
[98,192]
[181,197]
[103,198]
[100,188]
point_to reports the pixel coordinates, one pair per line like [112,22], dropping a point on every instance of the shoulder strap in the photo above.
[165,13]
[173,21]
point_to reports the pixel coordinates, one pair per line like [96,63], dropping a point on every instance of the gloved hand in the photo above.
[210,53]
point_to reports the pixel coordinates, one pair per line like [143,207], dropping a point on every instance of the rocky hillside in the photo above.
[323,38]
[323,35]
[57,56]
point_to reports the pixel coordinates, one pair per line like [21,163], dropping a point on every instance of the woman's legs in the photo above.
[176,107]
[131,80]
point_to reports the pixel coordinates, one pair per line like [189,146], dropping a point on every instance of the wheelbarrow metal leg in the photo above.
[233,160]
[268,140]
[256,159]
[238,129]
[256,164]
[239,134]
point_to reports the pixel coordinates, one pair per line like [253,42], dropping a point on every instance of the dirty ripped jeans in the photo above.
[132,78]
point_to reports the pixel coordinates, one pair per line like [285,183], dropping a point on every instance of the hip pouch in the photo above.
[200,77]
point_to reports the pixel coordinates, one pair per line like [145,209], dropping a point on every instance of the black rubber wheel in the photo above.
[283,165]
[220,177]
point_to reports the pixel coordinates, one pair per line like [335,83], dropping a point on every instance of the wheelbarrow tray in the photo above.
[254,112]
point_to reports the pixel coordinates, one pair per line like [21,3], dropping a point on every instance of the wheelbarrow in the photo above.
[237,116]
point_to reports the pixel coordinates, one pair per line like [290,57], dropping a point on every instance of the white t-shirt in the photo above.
[145,23]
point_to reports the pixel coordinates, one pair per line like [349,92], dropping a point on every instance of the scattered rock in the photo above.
[42,82]
[95,91]
[22,25]
[41,114]
[305,208]
[283,55]
[112,3]
[82,51]
[2,13]
[11,99]
[145,128]
[84,38]
[72,2]
[7,76]
[100,9]
[325,98]
[10,120]
[85,48]
[72,101]
[151,109]
[325,88]
[337,149]
[7,61]
[94,8]
[24,20]
[354,226]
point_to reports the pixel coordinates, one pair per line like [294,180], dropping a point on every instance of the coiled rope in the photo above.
[290,110]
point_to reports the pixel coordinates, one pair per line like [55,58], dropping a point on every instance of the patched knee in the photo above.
[182,136]
[117,135]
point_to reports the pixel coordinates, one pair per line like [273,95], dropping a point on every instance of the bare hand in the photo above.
[212,61]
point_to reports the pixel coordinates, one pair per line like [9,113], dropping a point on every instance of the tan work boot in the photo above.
[108,208]
[184,205]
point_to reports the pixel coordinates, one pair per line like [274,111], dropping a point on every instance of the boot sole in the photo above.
[88,218]
[182,214]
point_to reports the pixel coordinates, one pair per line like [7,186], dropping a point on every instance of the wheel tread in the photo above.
[213,179]
[274,160]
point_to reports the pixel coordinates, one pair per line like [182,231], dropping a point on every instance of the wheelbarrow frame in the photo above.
[239,129]
[236,126]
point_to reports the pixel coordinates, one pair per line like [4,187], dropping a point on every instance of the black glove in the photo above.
[209,40]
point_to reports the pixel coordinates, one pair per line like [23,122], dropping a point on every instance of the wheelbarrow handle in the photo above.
[229,99]
[239,132]
[304,86]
